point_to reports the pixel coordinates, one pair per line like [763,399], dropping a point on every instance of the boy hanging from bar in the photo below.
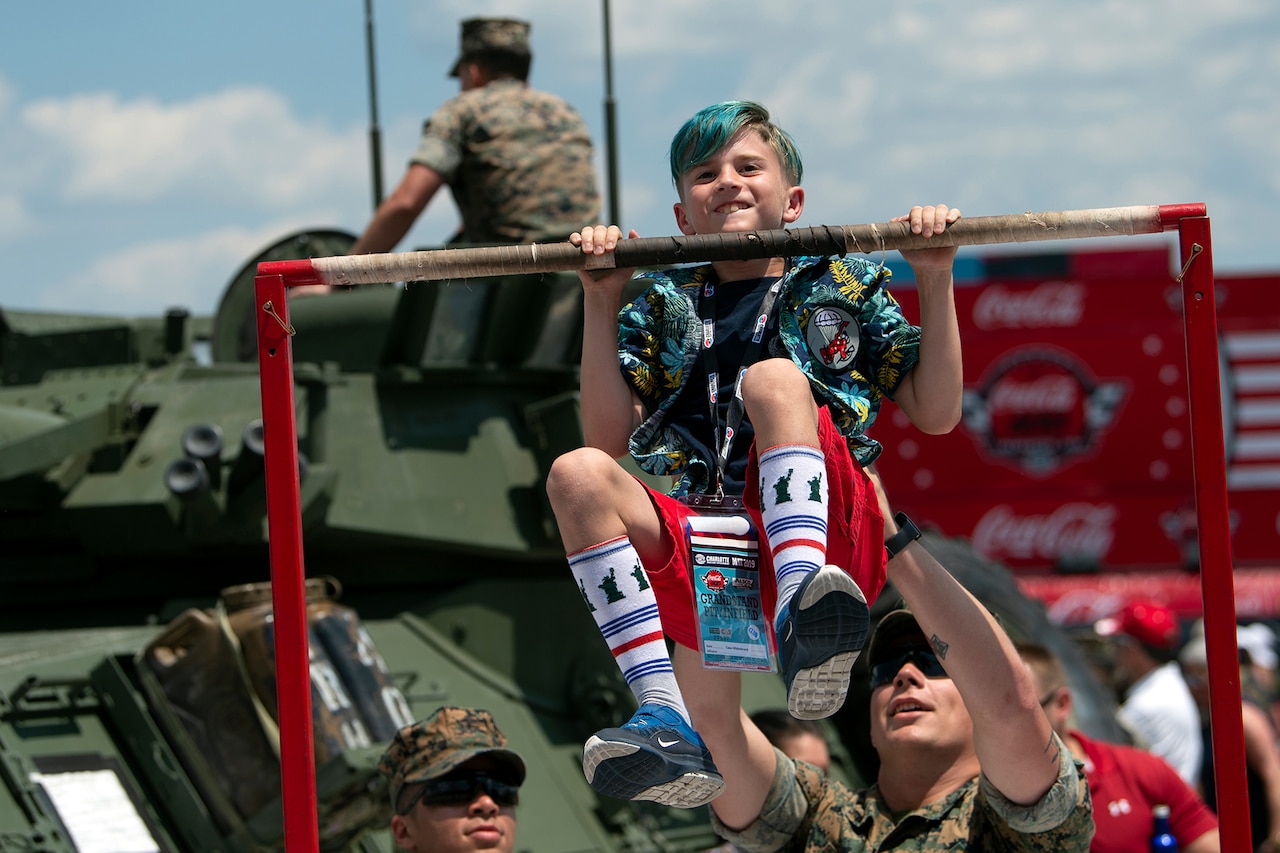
[751,383]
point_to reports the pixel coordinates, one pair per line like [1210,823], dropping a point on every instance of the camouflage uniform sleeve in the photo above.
[442,144]
[781,816]
[803,811]
[1062,822]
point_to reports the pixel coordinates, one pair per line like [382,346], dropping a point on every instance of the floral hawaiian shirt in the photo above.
[836,322]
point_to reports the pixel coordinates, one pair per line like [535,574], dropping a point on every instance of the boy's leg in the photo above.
[793,502]
[618,594]
[746,758]
[821,616]
[656,755]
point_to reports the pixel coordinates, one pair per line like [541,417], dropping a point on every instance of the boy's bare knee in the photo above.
[775,380]
[579,473]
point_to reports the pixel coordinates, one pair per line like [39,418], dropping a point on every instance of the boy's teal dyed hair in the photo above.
[712,127]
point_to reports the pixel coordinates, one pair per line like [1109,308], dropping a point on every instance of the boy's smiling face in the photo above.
[742,187]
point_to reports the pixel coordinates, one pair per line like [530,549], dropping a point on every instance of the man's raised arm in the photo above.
[1014,742]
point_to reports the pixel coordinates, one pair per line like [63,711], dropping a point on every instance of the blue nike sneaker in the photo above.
[656,756]
[819,638]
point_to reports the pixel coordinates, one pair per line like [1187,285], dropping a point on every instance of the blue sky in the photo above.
[149,149]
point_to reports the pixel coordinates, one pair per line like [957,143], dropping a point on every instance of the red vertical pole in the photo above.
[1200,319]
[288,595]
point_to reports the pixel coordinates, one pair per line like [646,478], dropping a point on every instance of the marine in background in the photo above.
[517,160]
[454,785]
[1126,783]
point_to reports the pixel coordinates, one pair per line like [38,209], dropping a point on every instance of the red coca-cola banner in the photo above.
[1074,450]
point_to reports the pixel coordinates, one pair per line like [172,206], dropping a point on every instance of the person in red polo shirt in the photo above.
[1125,783]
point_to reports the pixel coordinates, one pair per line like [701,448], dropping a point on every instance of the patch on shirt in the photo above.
[833,337]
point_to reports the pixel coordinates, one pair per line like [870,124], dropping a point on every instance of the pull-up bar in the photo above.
[646,251]
[281,437]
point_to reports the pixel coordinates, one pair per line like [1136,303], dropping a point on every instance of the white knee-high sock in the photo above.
[616,588]
[793,503]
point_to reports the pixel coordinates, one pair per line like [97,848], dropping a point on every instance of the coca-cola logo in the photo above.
[1073,531]
[1039,408]
[1046,394]
[1049,305]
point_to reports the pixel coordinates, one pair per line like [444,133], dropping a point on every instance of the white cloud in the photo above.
[16,162]
[14,218]
[1002,107]
[241,144]
[20,159]
[144,278]
[995,106]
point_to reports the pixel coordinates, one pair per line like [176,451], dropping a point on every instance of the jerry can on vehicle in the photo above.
[216,673]
[354,702]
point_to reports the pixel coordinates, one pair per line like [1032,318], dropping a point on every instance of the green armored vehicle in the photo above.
[137,686]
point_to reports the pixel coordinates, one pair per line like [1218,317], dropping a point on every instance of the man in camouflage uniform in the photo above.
[454,785]
[517,160]
[519,164]
[968,760]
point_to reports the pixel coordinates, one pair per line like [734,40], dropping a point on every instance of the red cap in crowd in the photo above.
[1149,623]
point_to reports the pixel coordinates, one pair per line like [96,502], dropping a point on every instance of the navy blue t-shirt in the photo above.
[737,305]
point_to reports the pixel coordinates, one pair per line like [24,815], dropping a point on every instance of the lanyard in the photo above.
[733,417]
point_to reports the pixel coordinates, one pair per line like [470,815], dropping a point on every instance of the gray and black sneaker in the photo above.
[655,756]
[819,638]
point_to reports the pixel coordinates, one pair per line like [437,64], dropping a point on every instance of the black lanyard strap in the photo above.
[733,417]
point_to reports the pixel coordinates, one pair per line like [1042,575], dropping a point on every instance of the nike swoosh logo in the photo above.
[665,743]
[790,628]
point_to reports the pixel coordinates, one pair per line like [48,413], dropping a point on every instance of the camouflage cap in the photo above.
[892,627]
[899,628]
[447,739]
[492,35]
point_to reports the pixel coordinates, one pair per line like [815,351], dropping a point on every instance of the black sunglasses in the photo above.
[924,659]
[459,789]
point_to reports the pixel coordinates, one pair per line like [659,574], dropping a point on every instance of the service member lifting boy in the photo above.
[751,383]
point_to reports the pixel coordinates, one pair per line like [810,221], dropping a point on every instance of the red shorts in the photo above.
[855,538]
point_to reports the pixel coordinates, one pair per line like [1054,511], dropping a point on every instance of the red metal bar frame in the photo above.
[284,520]
[1200,323]
[288,577]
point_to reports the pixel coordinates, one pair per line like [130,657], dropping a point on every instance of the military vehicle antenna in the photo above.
[375,135]
[610,124]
